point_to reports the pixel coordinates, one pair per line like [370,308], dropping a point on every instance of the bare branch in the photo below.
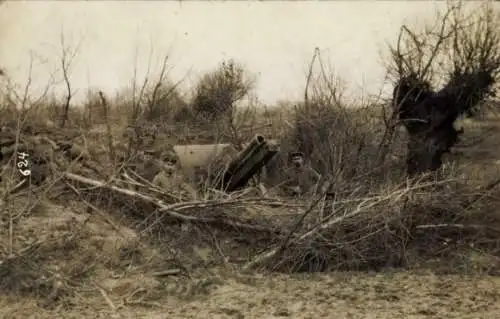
[67,58]
[27,86]
[161,77]
[105,107]
[138,99]
[466,48]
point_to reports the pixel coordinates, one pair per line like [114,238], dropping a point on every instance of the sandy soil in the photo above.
[349,295]
[116,290]
[339,295]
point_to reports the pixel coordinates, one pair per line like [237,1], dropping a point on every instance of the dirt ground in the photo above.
[338,295]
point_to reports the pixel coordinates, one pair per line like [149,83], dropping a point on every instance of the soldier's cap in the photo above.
[170,156]
[295,154]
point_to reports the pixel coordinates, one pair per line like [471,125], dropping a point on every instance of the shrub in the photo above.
[219,90]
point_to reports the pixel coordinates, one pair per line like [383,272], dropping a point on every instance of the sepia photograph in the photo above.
[249,159]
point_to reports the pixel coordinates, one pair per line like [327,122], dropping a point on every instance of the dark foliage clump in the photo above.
[429,115]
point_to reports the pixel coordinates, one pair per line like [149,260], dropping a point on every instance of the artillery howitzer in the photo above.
[247,163]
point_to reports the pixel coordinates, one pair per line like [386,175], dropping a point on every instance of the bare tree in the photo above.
[67,59]
[19,98]
[138,93]
[162,93]
[155,96]
[463,51]
[106,108]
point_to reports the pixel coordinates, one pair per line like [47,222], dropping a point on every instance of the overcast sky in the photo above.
[274,40]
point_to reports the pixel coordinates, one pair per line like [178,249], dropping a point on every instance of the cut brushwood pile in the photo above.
[389,228]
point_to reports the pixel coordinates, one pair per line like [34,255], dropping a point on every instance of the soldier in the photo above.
[301,178]
[170,178]
[167,169]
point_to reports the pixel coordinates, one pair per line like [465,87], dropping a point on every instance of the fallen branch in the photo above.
[22,252]
[325,225]
[288,238]
[106,298]
[95,209]
[148,185]
[165,273]
[364,205]
[173,209]
[459,226]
